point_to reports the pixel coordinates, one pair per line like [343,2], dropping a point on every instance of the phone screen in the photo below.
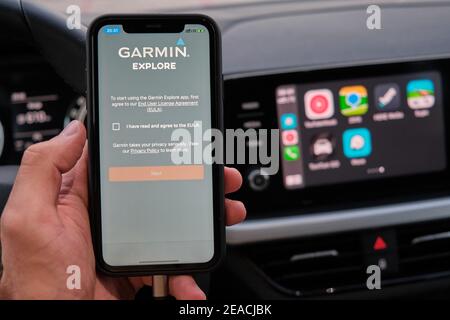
[154,211]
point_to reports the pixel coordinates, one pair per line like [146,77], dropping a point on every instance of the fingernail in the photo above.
[71,129]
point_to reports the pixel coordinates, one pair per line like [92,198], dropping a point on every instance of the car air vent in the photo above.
[313,266]
[332,264]
[424,249]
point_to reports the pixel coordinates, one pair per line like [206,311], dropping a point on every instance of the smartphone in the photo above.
[153,79]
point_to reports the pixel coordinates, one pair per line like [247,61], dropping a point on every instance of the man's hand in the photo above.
[45,228]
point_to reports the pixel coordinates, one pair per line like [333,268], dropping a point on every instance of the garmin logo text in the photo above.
[153,52]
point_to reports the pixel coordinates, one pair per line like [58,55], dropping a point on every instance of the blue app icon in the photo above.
[288,121]
[357,143]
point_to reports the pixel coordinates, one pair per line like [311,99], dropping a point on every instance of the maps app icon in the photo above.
[420,94]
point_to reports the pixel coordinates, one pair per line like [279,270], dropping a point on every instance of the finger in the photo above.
[139,282]
[235,211]
[43,164]
[185,288]
[233,179]
[148,280]
[75,181]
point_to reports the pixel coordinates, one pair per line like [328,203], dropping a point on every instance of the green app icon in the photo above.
[291,153]
[353,101]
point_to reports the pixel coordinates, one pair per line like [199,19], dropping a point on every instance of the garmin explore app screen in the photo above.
[154,210]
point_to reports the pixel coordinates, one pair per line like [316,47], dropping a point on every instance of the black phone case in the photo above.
[93,143]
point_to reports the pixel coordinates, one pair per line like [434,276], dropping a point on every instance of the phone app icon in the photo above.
[353,101]
[288,121]
[319,104]
[289,137]
[420,94]
[291,153]
[322,146]
[357,143]
[387,97]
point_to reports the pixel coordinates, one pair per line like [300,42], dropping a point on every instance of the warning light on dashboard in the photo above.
[379,244]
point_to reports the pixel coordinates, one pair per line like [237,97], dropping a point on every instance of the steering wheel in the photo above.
[64,49]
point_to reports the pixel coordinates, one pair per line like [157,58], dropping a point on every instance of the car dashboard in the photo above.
[315,236]
[332,209]
[35,102]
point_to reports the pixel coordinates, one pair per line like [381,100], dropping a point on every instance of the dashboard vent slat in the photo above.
[337,263]
[317,266]
[424,249]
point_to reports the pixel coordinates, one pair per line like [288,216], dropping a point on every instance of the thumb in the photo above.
[39,177]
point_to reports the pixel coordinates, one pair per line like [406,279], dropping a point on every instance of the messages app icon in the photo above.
[357,143]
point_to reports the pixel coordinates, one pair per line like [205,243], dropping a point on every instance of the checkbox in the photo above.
[116,126]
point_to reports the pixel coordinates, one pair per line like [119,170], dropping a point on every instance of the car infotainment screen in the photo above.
[359,129]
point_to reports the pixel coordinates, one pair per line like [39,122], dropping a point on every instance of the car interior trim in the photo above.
[253,231]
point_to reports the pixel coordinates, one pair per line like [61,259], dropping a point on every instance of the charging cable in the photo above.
[160,287]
